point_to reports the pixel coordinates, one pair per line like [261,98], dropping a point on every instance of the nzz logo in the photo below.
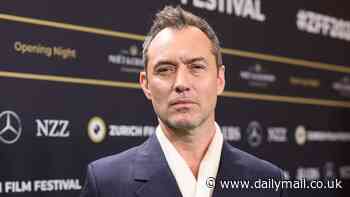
[52,128]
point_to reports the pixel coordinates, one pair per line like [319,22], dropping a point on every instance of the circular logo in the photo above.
[300,135]
[133,50]
[96,129]
[257,68]
[254,133]
[210,182]
[10,127]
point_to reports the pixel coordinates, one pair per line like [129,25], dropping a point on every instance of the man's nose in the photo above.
[182,80]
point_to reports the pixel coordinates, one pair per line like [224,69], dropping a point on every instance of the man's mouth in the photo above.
[182,102]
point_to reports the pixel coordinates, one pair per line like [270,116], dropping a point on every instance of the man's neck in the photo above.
[193,145]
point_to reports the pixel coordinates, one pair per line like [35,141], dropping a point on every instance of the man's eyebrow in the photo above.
[186,61]
[195,59]
[163,62]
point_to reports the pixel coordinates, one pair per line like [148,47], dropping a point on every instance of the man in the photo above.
[183,77]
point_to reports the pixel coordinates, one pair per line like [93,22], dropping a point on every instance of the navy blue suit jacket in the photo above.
[143,171]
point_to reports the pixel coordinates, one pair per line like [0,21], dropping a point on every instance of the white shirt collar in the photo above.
[187,183]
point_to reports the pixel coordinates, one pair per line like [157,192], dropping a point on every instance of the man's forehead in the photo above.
[169,34]
[164,35]
[170,40]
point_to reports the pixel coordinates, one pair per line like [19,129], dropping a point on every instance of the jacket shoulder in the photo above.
[253,166]
[117,161]
[111,174]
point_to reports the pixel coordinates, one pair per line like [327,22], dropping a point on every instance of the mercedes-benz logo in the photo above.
[254,132]
[10,127]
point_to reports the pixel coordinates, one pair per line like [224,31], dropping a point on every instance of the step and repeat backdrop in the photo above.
[69,90]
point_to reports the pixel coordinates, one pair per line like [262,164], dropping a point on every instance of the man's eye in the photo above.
[164,70]
[198,66]
[160,70]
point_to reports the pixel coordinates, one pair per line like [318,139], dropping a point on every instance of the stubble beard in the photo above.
[183,127]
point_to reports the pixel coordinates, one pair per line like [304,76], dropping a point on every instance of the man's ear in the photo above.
[144,84]
[221,79]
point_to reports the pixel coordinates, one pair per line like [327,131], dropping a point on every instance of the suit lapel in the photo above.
[229,169]
[152,173]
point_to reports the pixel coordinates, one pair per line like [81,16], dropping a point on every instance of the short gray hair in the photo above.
[178,18]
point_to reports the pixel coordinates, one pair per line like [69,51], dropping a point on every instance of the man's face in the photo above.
[182,79]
